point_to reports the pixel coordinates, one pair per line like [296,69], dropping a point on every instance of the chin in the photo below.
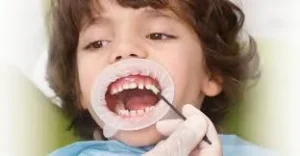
[144,137]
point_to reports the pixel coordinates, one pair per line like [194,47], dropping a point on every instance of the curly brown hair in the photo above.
[217,23]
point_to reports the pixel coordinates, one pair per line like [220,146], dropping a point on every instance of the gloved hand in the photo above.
[185,137]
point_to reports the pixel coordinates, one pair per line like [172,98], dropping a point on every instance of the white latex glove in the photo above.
[185,137]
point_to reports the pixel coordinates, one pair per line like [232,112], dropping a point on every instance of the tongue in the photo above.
[139,99]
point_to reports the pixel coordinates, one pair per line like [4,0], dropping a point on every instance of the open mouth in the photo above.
[132,96]
[128,89]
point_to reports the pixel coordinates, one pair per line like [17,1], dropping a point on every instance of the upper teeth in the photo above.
[133,85]
[141,86]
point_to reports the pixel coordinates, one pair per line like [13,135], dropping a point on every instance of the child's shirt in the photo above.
[231,144]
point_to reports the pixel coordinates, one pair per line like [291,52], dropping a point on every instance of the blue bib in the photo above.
[231,144]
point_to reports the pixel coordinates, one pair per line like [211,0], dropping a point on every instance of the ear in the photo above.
[212,87]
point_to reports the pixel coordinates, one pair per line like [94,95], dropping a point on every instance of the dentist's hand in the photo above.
[185,137]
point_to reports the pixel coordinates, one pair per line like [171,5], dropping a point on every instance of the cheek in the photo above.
[184,62]
[88,69]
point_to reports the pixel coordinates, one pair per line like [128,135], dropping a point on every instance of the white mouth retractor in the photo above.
[110,121]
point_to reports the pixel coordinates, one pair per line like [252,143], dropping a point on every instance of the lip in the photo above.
[98,106]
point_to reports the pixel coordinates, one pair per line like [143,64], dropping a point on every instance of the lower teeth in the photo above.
[135,112]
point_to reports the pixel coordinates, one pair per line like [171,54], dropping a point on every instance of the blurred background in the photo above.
[23,33]
[273,105]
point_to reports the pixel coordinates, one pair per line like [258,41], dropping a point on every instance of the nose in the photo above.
[119,57]
[128,49]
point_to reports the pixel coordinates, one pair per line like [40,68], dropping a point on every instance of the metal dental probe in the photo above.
[177,112]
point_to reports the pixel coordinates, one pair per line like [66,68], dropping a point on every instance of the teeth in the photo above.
[120,89]
[140,112]
[154,89]
[133,113]
[147,109]
[119,107]
[141,86]
[151,108]
[114,91]
[148,86]
[121,112]
[133,86]
[126,112]
[126,86]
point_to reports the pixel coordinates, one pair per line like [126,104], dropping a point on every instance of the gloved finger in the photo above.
[189,110]
[205,149]
[167,127]
[184,139]
[212,134]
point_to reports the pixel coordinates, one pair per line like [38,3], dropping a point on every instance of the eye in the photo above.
[160,36]
[96,44]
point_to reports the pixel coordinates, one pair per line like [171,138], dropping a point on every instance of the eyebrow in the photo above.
[99,19]
[156,13]
[96,20]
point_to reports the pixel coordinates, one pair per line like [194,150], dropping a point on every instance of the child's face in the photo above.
[121,33]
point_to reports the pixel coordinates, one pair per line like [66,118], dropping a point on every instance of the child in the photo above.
[196,41]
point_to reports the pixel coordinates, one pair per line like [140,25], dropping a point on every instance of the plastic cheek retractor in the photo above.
[111,122]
